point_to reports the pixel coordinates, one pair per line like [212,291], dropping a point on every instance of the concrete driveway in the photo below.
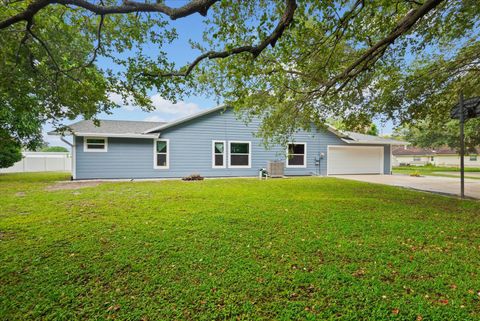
[444,185]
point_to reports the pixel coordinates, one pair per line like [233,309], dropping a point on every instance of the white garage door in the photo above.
[354,160]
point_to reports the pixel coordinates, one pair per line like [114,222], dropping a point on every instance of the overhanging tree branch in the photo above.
[57,68]
[271,40]
[97,48]
[195,6]
[378,49]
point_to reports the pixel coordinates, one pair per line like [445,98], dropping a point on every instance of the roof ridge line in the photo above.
[187,118]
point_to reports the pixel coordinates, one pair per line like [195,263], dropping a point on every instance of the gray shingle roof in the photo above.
[113,126]
[366,139]
[126,128]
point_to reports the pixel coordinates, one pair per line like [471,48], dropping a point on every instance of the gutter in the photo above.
[336,131]
[126,135]
[62,138]
[368,142]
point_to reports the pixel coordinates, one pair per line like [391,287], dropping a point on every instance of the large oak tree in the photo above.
[288,62]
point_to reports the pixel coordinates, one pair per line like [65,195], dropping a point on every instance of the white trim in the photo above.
[92,150]
[185,119]
[382,167]
[74,158]
[336,131]
[304,155]
[155,166]
[391,159]
[224,153]
[126,135]
[249,153]
[375,142]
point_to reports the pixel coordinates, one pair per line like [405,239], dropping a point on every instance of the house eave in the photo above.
[120,135]
[336,131]
[368,142]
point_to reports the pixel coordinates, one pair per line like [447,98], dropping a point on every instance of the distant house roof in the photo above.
[419,151]
[112,128]
[143,129]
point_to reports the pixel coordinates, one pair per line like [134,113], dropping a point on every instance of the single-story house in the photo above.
[442,156]
[215,143]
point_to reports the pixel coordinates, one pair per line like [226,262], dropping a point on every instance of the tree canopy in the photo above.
[363,128]
[432,133]
[288,62]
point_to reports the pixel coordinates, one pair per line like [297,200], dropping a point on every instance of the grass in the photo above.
[430,170]
[292,249]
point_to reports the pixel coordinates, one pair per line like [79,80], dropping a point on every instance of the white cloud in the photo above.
[154,118]
[117,99]
[161,105]
[180,108]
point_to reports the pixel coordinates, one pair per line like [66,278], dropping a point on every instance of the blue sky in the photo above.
[181,53]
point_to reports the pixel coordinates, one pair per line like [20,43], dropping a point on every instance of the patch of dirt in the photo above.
[6,236]
[59,186]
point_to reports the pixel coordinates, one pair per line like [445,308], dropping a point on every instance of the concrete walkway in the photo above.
[444,185]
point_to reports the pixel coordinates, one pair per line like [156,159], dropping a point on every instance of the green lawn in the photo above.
[436,171]
[303,249]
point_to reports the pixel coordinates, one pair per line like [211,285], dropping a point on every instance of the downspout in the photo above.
[62,138]
[391,160]
[74,165]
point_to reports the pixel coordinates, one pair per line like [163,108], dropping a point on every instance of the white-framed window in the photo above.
[219,155]
[473,158]
[95,144]
[240,154]
[161,153]
[417,159]
[297,155]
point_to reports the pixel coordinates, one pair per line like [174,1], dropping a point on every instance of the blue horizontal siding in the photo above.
[191,151]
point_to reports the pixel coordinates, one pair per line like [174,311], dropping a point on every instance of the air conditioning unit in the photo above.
[275,168]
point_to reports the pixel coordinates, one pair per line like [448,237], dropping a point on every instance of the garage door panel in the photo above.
[355,160]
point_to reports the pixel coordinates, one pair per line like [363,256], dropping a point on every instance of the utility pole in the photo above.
[463,111]
[462,147]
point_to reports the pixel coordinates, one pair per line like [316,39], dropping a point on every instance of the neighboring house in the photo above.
[41,162]
[442,156]
[214,143]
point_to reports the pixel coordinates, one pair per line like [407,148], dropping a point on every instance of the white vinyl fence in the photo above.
[41,162]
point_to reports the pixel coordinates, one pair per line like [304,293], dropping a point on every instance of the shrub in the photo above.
[10,152]
[193,177]
[54,149]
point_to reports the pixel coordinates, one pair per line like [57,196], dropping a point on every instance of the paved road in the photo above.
[471,174]
[446,185]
